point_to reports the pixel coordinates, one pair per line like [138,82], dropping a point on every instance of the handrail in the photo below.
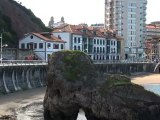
[22,62]
[118,61]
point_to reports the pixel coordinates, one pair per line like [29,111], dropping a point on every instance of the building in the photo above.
[91,40]
[152,49]
[152,30]
[52,24]
[42,44]
[127,18]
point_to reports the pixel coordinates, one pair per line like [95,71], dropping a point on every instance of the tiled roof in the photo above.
[48,37]
[152,27]
[79,30]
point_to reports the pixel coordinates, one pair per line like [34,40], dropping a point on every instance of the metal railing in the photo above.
[119,61]
[22,62]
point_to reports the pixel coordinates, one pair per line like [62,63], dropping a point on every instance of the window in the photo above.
[22,46]
[98,41]
[103,50]
[103,42]
[79,40]
[75,48]
[31,36]
[94,49]
[79,48]
[55,46]
[100,50]
[35,45]
[28,44]
[48,45]
[75,40]
[97,49]
[62,46]
[111,42]
[94,41]
[40,45]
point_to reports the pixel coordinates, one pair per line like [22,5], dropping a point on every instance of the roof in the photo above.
[152,27]
[80,30]
[47,37]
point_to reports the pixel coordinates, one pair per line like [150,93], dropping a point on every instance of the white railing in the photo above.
[118,61]
[22,62]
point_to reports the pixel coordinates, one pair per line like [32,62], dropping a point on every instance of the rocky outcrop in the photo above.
[73,83]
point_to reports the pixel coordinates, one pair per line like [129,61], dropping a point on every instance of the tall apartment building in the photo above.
[127,18]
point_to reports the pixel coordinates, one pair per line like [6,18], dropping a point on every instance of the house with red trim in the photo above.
[42,44]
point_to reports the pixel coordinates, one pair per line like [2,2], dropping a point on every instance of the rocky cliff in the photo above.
[73,83]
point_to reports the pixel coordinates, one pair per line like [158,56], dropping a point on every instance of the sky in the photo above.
[79,11]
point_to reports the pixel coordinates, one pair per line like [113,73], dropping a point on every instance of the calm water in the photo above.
[153,88]
[35,110]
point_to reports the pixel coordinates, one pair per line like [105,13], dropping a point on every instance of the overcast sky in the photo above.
[80,11]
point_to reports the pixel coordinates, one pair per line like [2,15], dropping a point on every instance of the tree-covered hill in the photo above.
[16,20]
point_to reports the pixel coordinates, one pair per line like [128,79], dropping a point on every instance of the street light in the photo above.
[5,45]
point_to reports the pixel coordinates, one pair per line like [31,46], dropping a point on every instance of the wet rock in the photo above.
[73,83]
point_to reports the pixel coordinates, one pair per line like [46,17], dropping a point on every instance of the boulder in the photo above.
[73,84]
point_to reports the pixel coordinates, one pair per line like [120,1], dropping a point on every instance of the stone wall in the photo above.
[125,68]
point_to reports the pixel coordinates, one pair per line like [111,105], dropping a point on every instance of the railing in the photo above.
[119,61]
[22,62]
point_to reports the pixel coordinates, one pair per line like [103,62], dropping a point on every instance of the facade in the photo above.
[152,30]
[42,44]
[127,18]
[91,40]
[152,49]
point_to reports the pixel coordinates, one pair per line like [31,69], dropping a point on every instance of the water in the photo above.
[34,111]
[153,88]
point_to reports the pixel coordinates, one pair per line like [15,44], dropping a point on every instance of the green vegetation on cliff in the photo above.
[16,20]
[9,35]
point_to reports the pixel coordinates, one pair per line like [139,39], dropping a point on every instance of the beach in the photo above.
[146,78]
[13,102]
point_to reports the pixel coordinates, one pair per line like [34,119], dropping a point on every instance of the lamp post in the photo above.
[5,45]
[1,47]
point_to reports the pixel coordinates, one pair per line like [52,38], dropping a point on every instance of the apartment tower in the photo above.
[127,18]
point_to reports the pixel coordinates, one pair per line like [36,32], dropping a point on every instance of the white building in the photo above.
[127,18]
[87,39]
[42,44]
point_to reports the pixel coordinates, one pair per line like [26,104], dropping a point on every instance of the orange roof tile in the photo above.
[48,39]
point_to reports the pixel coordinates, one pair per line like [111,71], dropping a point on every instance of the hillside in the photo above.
[16,20]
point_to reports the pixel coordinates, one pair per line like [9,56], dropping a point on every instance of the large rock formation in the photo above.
[73,83]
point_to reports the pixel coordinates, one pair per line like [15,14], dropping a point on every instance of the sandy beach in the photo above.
[146,79]
[13,101]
